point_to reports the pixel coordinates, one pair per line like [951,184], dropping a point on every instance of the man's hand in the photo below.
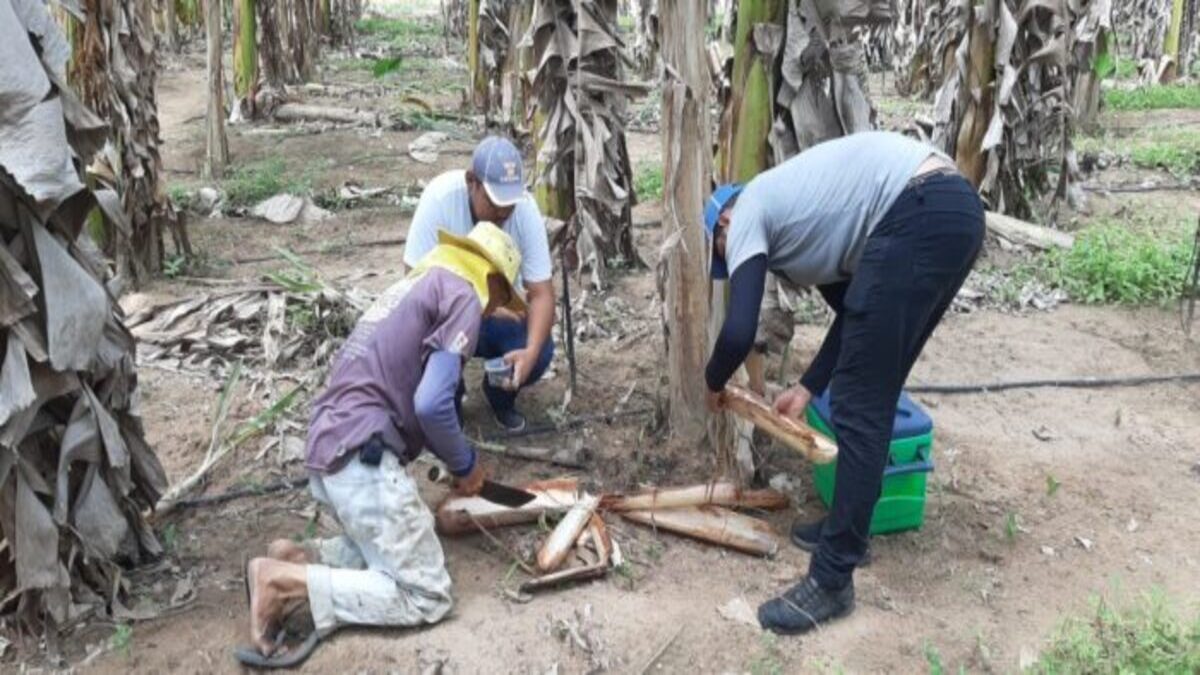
[793,402]
[470,484]
[523,361]
[715,400]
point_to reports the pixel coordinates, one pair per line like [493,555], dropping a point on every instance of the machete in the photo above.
[496,493]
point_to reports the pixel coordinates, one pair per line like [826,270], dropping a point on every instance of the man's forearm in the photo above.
[541,315]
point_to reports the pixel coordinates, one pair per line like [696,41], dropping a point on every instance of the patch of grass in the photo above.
[1153,97]
[122,639]
[1180,160]
[397,29]
[1126,68]
[1175,149]
[1110,263]
[648,182]
[252,183]
[1144,637]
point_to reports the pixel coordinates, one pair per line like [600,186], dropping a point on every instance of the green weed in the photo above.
[174,266]
[170,537]
[1112,264]
[1011,527]
[934,658]
[1052,485]
[648,182]
[252,183]
[769,660]
[1144,637]
[122,638]
[180,196]
[1153,97]
[386,66]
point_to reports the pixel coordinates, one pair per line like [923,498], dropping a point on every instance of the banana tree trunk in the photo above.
[474,63]
[217,145]
[172,28]
[743,151]
[686,175]
[245,49]
[1175,43]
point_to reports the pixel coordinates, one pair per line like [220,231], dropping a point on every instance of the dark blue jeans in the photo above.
[912,267]
[498,337]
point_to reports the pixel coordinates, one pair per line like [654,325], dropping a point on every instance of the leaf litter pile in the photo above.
[291,321]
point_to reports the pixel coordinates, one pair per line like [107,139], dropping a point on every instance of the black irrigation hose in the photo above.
[222,497]
[1076,383]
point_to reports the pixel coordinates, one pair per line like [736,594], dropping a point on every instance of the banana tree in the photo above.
[584,175]
[1004,112]
[117,78]
[76,473]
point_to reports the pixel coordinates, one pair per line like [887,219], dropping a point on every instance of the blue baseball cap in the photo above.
[498,165]
[721,198]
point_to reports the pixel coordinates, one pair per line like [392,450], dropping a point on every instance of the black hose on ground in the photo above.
[1071,383]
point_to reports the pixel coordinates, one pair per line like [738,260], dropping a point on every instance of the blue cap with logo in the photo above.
[498,165]
[720,199]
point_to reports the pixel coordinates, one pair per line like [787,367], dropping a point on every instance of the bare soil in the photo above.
[999,562]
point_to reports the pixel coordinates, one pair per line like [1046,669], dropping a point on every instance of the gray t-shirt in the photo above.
[812,214]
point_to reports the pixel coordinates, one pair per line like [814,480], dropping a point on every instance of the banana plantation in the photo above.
[257,254]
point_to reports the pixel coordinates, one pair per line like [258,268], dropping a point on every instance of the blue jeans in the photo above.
[498,337]
[912,267]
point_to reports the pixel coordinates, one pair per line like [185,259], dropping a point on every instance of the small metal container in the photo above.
[499,372]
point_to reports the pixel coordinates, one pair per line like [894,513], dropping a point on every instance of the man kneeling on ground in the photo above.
[390,395]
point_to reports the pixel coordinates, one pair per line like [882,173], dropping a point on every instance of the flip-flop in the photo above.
[292,657]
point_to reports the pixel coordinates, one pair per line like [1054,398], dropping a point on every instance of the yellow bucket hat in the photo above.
[485,250]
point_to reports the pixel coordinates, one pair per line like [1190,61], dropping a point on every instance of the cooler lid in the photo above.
[911,418]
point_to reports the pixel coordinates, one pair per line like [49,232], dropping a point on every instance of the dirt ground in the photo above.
[998,564]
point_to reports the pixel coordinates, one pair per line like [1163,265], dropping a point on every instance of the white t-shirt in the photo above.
[444,205]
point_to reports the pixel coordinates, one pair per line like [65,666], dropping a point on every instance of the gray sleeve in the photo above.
[747,233]
[535,247]
[422,233]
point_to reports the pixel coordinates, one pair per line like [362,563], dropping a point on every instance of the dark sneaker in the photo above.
[807,536]
[510,420]
[805,606]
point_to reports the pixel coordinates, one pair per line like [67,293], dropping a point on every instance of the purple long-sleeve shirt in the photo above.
[434,405]
[397,375]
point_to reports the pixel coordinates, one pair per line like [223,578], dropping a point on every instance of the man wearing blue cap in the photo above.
[493,190]
[887,230]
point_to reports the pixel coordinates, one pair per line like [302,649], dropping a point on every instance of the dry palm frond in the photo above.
[76,474]
[114,71]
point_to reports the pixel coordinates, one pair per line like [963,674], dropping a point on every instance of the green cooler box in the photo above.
[901,504]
